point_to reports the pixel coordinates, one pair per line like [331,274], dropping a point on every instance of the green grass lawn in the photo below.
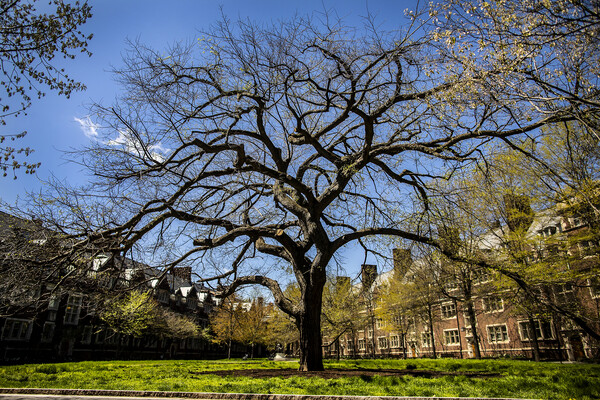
[519,379]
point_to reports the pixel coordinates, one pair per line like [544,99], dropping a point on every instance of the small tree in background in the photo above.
[136,313]
[254,324]
[225,322]
[341,311]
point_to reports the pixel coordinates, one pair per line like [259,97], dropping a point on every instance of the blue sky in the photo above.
[51,122]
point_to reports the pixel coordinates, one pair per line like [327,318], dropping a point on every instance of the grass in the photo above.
[518,379]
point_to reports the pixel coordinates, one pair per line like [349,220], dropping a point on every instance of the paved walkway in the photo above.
[91,394]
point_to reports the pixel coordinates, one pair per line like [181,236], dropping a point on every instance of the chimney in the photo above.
[368,275]
[402,262]
[184,273]
[518,212]
[450,239]
[342,281]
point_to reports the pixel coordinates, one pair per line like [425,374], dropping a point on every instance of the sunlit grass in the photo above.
[517,379]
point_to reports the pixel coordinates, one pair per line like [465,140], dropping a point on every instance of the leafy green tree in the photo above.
[282,330]
[30,40]
[225,322]
[175,326]
[135,313]
[342,310]
[253,326]
[282,333]
[410,296]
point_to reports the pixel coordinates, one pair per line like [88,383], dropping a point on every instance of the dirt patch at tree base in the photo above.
[334,373]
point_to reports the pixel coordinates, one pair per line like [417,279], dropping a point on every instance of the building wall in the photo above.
[502,333]
[69,329]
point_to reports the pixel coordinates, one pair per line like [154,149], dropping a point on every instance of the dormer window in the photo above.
[549,231]
[163,296]
[575,222]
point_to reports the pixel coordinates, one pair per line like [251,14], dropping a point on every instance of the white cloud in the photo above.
[89,128]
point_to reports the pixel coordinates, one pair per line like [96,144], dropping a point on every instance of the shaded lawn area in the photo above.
[441,378]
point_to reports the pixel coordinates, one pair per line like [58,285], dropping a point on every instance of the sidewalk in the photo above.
[92,394]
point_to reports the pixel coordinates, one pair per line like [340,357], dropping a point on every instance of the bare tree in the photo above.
[259,152]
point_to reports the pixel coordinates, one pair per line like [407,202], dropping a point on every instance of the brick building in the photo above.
[506,325]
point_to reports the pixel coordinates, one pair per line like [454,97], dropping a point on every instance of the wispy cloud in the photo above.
[125,139]
[133,146]
[89,128]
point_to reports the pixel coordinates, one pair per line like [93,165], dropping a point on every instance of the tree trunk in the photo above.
[430,321]
[472,317]
[460,344]
[309,326]
[534,339]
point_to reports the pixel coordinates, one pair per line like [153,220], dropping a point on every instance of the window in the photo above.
[191,303]
[380,323]
[468,321]
[394,341]
[86,335]
[99,339]
[53,302]
[451,285]
[492,304]
[451,337]
[47,332]
[16,329]
[575,222]
[497,334]
[543,330]
[73,309]
[51,316]
[448,310]
[361,344]
[382,342]
[111,337]
[163,296]
[370,333]
[481,276]
[595,287]
[426,339]
[564,288]
[350,345]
